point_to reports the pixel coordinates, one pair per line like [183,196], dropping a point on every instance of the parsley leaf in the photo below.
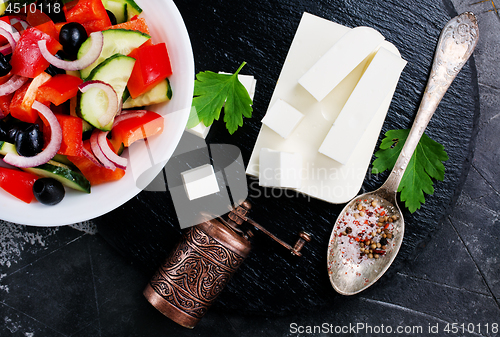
[425,164]
[212,91]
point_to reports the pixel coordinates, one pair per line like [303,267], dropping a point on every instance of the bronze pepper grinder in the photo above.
[201,265]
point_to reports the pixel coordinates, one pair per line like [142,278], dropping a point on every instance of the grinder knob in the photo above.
[303,238]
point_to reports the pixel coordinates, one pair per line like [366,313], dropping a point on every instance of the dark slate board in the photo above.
[224,34]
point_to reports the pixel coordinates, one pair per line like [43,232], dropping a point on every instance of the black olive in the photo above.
[72,36]
[29,142]
[53,70]
[4,132]
[9,130]
[111,17]
[13,131]
[48,191]
[53,9]
[5,66]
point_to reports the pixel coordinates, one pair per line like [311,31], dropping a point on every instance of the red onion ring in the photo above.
[11,29]
[113,104]
[6,49]
[14,83]
[96,149]
[90,156]
[97,42]
[8,36]
[49,152]
[126,114]
[102,140]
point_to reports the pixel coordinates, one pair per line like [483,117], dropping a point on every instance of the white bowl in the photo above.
[166,25]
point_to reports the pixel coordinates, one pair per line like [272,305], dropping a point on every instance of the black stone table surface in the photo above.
[70,281]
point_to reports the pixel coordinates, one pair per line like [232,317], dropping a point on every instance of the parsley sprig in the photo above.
[425,164]
[212,91]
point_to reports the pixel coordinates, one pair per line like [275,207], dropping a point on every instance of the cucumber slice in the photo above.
[6,147]
[162,92]
[60,158]
[53,169]
[133,9]
[116,41]
[62,173]
[115,71]
[3,7]
[118,8]
[72,111]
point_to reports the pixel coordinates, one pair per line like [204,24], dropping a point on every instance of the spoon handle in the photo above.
[456,43]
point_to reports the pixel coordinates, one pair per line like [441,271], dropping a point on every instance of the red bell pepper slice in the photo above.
[151,67]
[27,60]
[59,89]
[90,13]
[16,106]
[42,21]
[18,183]
[72,130]
[132,129]
[95,174]
[24,97]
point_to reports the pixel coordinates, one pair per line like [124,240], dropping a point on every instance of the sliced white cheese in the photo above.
[200,182]
[200,130]
[378,81]
[322,177]
[248,81]
[280,169]
[282,118]
[345,55]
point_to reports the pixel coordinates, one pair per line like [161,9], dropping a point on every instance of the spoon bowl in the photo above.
[369,231]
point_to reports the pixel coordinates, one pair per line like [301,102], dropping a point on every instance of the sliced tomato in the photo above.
[59,89]
[27,60]
[5,104]
[90,13]
[128,131]
[94,173]
[151,67]
[18,183]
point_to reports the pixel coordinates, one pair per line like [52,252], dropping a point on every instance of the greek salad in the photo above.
[76,78]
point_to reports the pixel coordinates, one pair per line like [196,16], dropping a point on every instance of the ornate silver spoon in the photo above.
[350,275]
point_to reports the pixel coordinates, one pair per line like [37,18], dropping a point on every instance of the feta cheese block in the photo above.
[280,169]
[200,182]
[282,118]
[345,55]
[378,81]
[248,81]
[322,177]
[200,129]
